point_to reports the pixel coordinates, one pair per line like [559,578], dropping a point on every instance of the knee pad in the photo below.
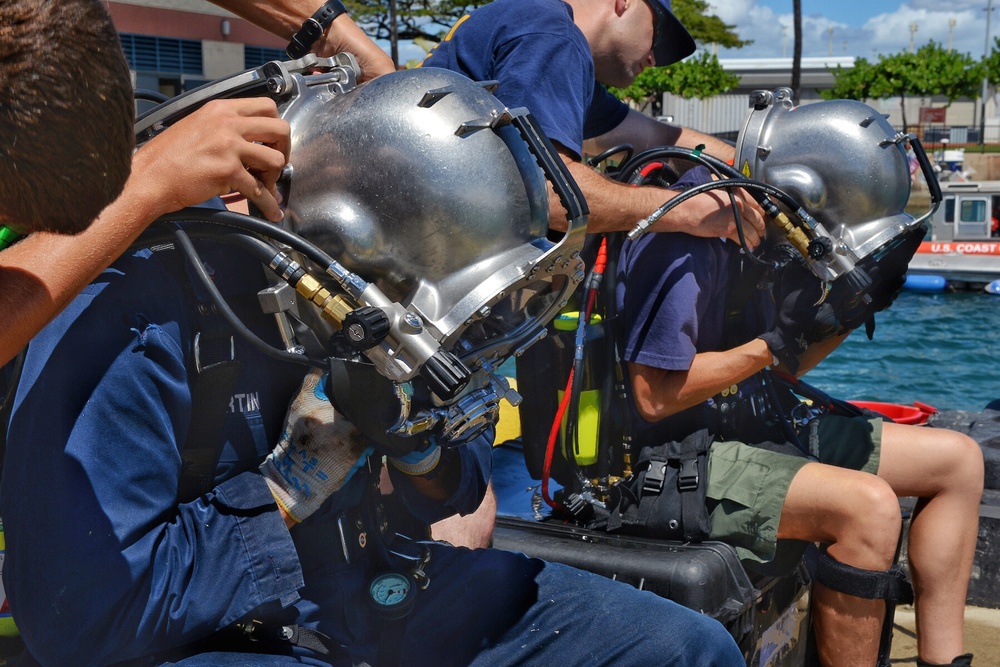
[890,585]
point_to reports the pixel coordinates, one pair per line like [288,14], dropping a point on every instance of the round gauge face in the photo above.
[390,589]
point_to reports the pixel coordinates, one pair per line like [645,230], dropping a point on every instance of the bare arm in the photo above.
[227,145]
[817,352]
[284,17]
[660,393]
[643,132]
[616,206]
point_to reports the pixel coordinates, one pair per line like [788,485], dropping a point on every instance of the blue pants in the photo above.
[491,607]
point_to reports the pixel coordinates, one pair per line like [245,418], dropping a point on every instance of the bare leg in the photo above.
[473,530]
[858,515]
[944,469]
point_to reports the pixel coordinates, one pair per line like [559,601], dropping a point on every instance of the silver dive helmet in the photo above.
[433,198]
[844,164]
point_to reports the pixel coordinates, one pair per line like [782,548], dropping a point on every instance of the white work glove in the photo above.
[318,452]
[418,463]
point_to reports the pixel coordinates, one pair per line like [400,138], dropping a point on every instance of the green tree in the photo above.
[705,27]
[426,20]
[851,83]
[699,77]
[991,64]
[932,70]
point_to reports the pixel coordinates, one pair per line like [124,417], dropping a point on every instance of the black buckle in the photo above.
[211,350]
[687,477]
[655,476]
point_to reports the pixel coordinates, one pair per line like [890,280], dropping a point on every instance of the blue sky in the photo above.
[859,27]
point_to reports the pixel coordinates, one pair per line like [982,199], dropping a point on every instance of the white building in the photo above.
[724,114]
[176,45]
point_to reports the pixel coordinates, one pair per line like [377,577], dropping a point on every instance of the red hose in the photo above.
[600,264]
[550,447]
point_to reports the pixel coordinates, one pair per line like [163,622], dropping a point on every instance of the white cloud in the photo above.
[885,33]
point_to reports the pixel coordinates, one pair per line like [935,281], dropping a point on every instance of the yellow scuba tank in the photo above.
[585,446]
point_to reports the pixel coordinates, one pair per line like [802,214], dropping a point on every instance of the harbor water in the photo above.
[942,349]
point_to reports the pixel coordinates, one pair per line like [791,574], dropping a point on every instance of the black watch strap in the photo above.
[313,28]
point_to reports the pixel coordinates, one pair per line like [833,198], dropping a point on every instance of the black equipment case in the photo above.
[767,615]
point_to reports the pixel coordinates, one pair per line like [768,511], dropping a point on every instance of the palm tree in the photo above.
[796,49]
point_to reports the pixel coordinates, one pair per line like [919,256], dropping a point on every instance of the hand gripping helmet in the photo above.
[425,186]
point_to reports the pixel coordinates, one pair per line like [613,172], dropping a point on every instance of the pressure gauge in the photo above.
[392,594]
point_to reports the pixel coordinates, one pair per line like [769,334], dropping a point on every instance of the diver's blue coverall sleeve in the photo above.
[109,561]
[102,559]
[103,563]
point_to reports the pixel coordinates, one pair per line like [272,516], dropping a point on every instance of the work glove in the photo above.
[317,454]
[887,278]
[418,463]
[801,319]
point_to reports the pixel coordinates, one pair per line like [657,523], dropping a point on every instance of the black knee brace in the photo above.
[960,661]
[889,585]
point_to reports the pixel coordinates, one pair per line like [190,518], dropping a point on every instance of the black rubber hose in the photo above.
[191,254]
[254,225]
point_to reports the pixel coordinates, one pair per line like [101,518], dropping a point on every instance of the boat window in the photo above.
[949,210]
[995,217]
[972,221]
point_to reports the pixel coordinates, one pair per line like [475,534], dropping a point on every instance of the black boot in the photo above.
[960,661]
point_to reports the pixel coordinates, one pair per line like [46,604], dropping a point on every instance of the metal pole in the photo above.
[986,82]
[394,34]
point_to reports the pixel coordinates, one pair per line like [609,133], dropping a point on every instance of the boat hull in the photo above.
[961,264]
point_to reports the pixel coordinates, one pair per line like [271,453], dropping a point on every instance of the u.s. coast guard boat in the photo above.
[963,249]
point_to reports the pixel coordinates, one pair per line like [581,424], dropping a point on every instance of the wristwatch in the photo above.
[313,28]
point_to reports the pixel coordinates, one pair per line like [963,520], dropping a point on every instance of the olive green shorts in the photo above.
[747,485]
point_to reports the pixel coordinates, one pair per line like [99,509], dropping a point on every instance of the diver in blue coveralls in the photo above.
[281,551]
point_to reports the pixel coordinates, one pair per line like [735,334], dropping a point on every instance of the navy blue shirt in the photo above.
[674,295]
[103,563]
[540,60]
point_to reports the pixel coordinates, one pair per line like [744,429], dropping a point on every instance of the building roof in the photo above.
[774,72]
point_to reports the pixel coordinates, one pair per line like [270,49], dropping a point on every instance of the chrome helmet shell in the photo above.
[842,161]
[421,182]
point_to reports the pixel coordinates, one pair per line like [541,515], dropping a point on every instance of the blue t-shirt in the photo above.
[671,289]
[540,60]
[675,293]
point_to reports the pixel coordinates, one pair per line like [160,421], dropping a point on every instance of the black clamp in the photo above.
[313,28]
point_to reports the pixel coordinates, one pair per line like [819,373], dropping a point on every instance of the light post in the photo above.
[913,29]
[986,82]
[951,29]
